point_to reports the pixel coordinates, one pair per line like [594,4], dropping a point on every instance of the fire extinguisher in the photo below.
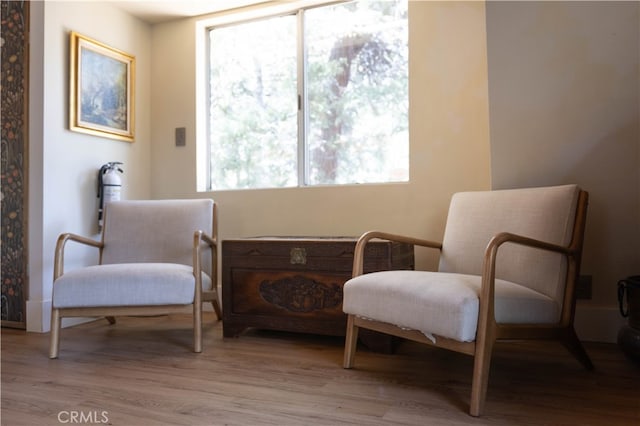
[109,185]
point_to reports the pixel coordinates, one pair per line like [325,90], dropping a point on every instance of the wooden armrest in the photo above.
[358,256]
[203,236]
[491,253]
[487,291]
[508,237]
[58,265]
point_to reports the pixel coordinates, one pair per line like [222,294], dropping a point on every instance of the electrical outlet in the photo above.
[181,136]
[583,287]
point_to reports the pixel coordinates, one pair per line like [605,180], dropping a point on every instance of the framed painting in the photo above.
[101,86]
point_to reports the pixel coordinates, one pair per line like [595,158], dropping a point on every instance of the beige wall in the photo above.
[557,83]
[63,165]
[564,84]
[560,81]
[449,139]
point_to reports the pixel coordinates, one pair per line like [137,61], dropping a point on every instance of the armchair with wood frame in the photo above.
[508,267]
[155,257]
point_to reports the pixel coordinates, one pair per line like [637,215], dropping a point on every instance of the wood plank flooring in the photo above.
[141,371]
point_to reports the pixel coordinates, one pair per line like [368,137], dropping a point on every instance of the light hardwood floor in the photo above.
[141,371]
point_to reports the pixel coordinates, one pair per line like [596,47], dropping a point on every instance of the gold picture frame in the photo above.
[101,89]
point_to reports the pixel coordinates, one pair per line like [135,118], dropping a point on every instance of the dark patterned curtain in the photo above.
[15,60]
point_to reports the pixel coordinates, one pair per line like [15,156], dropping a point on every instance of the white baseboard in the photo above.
[598,323]
[37,321]
[39,317]
[592,323]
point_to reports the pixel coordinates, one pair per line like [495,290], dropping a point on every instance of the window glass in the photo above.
[253,109]
[315,98]
[357,93]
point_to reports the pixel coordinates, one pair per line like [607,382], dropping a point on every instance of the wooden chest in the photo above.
[295,283]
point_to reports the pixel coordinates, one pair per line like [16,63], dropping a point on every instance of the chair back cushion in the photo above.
[546,214]
[158,231]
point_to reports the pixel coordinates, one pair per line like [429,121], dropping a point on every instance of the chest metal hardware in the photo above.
[298,256]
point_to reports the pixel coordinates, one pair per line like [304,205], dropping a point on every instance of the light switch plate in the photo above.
[181,136]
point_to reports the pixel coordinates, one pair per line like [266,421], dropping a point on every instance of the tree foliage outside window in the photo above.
[335,114]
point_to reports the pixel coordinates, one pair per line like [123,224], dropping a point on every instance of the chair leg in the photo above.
[54,344]
[197,327]
[351,343]
[575,347]
[480,380]
[216,308]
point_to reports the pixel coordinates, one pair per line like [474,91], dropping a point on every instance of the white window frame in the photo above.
[203,93]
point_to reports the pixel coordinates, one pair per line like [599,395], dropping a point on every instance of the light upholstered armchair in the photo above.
[508,267]
[156,257]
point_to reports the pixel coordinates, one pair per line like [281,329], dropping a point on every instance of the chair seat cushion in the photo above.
[127,284]
[443,304]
